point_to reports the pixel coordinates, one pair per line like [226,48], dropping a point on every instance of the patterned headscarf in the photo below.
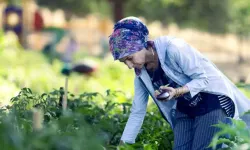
[130,35]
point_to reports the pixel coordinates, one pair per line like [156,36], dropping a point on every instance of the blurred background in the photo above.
[42,41]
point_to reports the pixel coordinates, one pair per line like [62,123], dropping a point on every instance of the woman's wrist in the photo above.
[181,91]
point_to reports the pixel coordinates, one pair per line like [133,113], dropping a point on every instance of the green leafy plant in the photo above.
[92,121]
[235,136]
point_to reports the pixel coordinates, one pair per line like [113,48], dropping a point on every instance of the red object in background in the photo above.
[83,68]
[38,21]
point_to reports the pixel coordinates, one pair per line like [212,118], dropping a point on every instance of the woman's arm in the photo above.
[173,92]
[138,112]
[189,60]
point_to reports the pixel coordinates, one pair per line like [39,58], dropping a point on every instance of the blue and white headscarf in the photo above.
[130,35]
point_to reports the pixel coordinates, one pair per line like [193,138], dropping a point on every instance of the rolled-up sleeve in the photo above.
[189,60]
[138,112]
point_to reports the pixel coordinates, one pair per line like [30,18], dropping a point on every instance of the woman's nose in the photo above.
[130,65]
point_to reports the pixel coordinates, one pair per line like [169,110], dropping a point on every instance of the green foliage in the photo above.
[92,121]
[239,135]
[78,7]
[6,43]
[25,68]
[240,17]
[212,15]
[86,124]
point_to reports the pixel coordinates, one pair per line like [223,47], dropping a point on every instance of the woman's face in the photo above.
[136,60]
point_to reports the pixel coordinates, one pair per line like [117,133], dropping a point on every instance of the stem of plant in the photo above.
[64,104]
[37,119]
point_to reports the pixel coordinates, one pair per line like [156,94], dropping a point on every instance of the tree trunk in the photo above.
[118,7]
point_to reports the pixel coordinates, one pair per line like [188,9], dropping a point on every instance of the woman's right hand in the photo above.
[171,91]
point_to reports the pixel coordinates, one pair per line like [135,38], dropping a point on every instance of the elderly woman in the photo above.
[199,94]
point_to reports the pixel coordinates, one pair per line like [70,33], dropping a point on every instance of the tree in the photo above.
[78,7]
[118,9]
[209,15]
[240,23]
